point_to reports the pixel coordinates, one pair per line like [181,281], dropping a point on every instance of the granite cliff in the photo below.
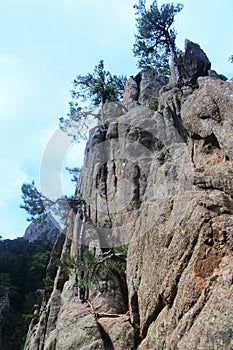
[157,178]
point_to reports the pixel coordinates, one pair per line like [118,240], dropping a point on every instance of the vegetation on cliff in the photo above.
[94,89]
[155,41]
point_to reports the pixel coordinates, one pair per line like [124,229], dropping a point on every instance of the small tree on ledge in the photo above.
[98,87]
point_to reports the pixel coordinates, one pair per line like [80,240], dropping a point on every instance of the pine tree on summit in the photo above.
[155,41]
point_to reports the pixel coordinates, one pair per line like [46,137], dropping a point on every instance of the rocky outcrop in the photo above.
[193,63]
[144,88]
[185,259]
[159,182]
[45,231]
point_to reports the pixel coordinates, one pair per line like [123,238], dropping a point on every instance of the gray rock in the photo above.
[131,92]
[45,231]
[193,63]
[213,74]
[96,136]
[150,86]
[144,88]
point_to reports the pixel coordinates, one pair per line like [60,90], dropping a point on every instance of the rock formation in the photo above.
[44,231]
[161,183]
[144,88]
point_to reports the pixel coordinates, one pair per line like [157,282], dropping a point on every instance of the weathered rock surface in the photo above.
[144,88]
[46,231]
[160,182]
[193,63]
[185,260]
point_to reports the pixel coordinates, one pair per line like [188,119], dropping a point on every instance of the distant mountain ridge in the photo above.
[45,231]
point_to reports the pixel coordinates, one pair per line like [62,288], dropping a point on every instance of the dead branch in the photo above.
[101,315]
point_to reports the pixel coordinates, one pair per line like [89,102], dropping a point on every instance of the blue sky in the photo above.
[43,45]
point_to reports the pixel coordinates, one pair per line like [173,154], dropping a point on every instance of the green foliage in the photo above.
[155,41]
[29,317]
[74,172]
[5,283]
[231,58]
[92,89]
[89,260]
[121,249]
[22,270]
[154,106]
[48,284]
[39,207]
[108,265]
[98,87]
[33,201]
[68,263]
[39,261]
[95,269]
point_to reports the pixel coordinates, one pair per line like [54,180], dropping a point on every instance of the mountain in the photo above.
[44,231]
[156,186]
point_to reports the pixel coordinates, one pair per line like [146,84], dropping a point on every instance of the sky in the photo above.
[44,44]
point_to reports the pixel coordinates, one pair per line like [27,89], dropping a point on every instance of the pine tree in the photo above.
[96,88]
[155,41]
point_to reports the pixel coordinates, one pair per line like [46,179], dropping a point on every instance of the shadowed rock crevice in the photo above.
[108,344]
[157,310]
[101,180]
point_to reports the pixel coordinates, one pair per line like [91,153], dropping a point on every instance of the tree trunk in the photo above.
[179,79]
[102,111]
[172,46]
[80,251]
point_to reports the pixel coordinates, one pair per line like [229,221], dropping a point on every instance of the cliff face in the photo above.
[179,272]
[160,182]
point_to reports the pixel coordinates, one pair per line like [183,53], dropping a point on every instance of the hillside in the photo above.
[22,271]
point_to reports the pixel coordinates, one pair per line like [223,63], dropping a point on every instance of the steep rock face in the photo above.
[193,63]
[45,231]
[144,88]
[161,183]
[66,323]
[179,273]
